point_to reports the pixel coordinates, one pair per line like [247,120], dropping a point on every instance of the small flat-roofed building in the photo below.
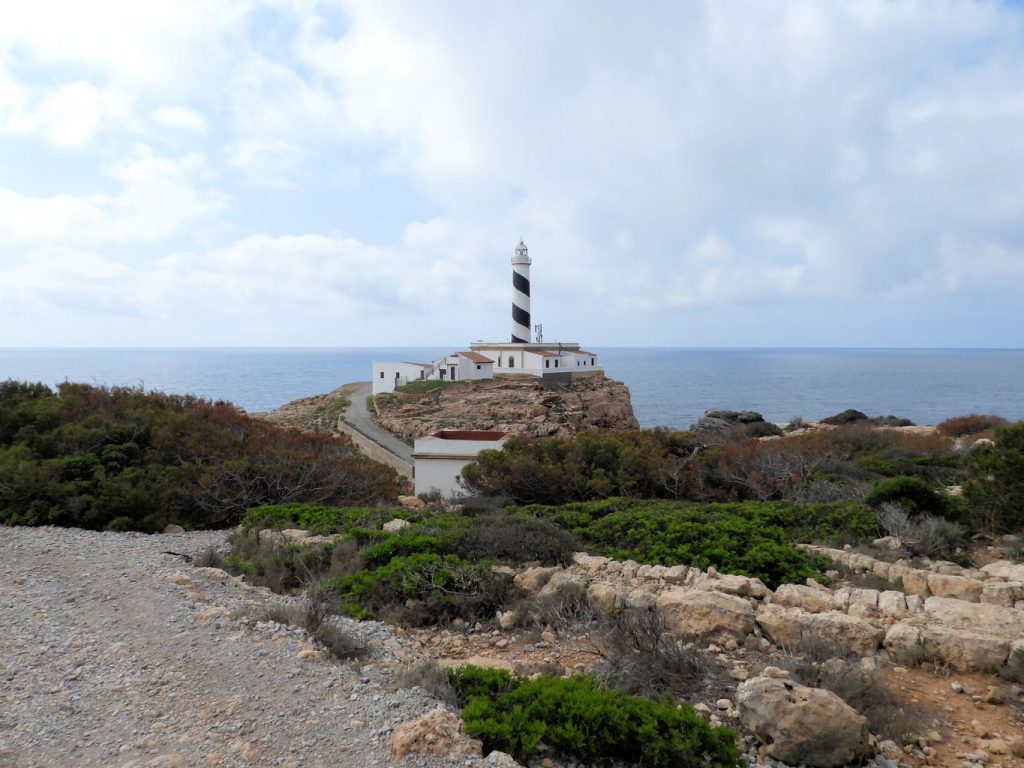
[438,459]
[389,374]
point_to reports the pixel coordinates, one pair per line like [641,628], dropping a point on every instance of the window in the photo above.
[396,375]
[556,363]
[547,363]
[511,362]
[478,366]
[382,374]
[591,361]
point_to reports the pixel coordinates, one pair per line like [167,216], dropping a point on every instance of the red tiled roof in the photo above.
[476,357]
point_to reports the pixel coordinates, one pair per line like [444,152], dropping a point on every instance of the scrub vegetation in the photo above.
[122,458]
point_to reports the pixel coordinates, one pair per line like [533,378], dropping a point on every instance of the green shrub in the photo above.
[316,518]
[749,538]
[424,589]
[994,493]
[120,457]
[468,682]
[517,539]
[911,493]
[578,719]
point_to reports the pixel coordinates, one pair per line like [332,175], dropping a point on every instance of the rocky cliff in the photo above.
[520,406]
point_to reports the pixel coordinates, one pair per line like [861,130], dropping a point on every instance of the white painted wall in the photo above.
[438,462]
[387,374]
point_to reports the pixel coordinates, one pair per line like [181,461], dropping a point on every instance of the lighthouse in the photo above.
[521,295]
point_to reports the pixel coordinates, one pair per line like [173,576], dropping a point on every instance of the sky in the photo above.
[685,173]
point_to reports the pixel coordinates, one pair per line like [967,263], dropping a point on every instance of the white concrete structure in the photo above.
[538,359]
[438,459]
[389,374]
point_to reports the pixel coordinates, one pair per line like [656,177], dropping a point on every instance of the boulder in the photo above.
[800,725]
[498,759]
[534,579]
[792,626]
[805,598]
[743,586]
[970,637]
[172,528]
[395,526]
[412,502]
[691,614]
[943,585]
[605,596]
[849,416]
[1015,661]
[1004,593]
[964,649]
[590,564]
[561,580]
[439,733]
[1005,569]
[892,603]
[915,582]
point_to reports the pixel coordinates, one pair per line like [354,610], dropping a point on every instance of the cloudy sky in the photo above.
[698,173]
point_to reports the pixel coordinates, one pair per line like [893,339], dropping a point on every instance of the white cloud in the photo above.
[689,155]
[181,118]
[158,196]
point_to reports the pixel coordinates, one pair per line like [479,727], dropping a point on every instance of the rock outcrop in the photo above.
[436,733]
[800,725]
[516,405]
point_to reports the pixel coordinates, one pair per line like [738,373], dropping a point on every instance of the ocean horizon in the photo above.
[670,386]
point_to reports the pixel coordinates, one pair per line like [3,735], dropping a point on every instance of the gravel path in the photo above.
[113,653]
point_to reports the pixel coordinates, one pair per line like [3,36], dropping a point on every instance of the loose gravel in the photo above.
[115,653]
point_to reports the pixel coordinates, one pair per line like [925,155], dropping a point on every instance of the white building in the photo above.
[487,360]
[438,459]
[387,375]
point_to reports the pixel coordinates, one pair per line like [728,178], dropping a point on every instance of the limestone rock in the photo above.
[172,528]
[395,526]
[605,596]
[590,564]
[498,759]
[790,626]
[958,587]
[517,406]
[690,614]
[534,579]
[1005,569]
[743,586]
[412,502]
[805,598]
[801,725]
[438,733]
[561,580]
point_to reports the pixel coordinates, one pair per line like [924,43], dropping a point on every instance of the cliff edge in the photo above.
[516,405]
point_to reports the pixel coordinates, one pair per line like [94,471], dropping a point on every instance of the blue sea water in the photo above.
[670,387]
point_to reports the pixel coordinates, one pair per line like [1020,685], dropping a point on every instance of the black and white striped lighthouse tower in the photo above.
[521,295]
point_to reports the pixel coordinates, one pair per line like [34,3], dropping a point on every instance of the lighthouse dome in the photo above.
[522,255]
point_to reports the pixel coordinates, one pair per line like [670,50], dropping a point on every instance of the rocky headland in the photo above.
[516,405]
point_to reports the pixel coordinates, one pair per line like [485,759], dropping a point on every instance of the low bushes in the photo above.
[424,589]
[970,425]
[578,719]
[995,491]
[709,467]
[911,493]
[125,459]
[750,538]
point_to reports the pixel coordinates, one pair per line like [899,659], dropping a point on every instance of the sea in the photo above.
[670,387]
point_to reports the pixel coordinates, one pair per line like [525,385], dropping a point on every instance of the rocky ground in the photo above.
[516,405]
[115,653]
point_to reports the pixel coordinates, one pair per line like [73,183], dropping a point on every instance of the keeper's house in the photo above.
[440,457]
